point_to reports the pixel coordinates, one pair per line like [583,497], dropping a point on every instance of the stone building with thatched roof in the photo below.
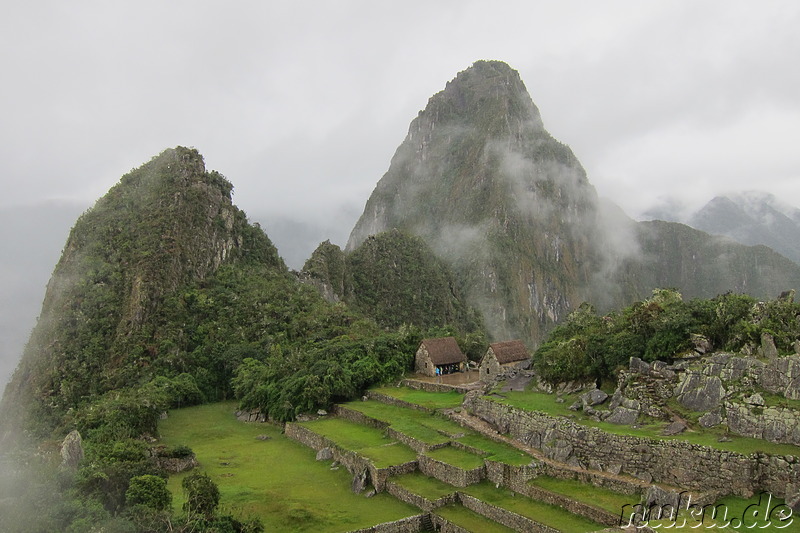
[442,354]
[503,355]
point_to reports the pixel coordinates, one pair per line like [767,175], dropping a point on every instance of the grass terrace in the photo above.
[456,457]
[428,487]
[277,480]
[428,428]
[431,400]
[369,442]
[603,498]
[733,514]
[497,451]
[546,403]
[461,516]
[543,513]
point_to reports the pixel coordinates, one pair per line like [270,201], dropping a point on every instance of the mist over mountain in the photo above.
[512,212]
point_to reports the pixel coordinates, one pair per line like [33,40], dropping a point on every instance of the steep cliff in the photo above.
[507,206]
[511,211]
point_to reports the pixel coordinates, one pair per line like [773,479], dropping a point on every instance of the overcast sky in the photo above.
[302,104]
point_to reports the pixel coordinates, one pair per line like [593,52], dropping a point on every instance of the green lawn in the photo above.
[463,517]
[598,496]
[426,427]
[422,485]
[431,400]
[364,440]
[545,403]
[733,514]
[543,513]
[456,457]
[277,480]
[497,451]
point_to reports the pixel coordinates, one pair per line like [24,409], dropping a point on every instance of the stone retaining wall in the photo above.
[504,516]
[404,525]
[353,462]
[672,462]
[596,479]
[358,417]
[404,495]
[442,525]
[601,516]
[433,387]
[391,400]
[447,473]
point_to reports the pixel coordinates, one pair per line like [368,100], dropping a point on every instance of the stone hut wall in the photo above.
[490,367]
[673,462]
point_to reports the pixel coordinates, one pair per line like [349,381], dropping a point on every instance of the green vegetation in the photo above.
[427,487]
[396,279]
[367,441]
[276,480]
[463,517]
[431,429]
[456,457]
[497,451]
[661,327]
[543,513]
[546,403]
[430,400]
[603,498]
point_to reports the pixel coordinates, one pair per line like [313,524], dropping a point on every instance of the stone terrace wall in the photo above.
[601,516]
[674,462]
[433,387]
[450,474]
[442,525]
[353,462]
[503,516]
[391,400]
[404,495]
[596,479]
[358,417]
[404,525]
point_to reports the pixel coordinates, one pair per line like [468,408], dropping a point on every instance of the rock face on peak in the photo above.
[495,195]
[511,211]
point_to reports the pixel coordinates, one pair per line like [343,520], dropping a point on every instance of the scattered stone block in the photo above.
[675,428]
[623,416]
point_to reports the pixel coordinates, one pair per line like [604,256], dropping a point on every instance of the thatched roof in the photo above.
[443,351]
[510,351]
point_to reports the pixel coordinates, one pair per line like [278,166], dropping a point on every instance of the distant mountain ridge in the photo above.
[512,212]
[751,218]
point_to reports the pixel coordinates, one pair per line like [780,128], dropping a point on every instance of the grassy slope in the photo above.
[277,480]
[540,401]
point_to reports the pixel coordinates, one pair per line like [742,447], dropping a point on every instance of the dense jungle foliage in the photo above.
[589,346]
[394,278]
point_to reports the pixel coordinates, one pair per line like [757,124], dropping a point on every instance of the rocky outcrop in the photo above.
[72,450]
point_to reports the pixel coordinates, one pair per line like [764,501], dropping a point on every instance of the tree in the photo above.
[150,491]
[202,495]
